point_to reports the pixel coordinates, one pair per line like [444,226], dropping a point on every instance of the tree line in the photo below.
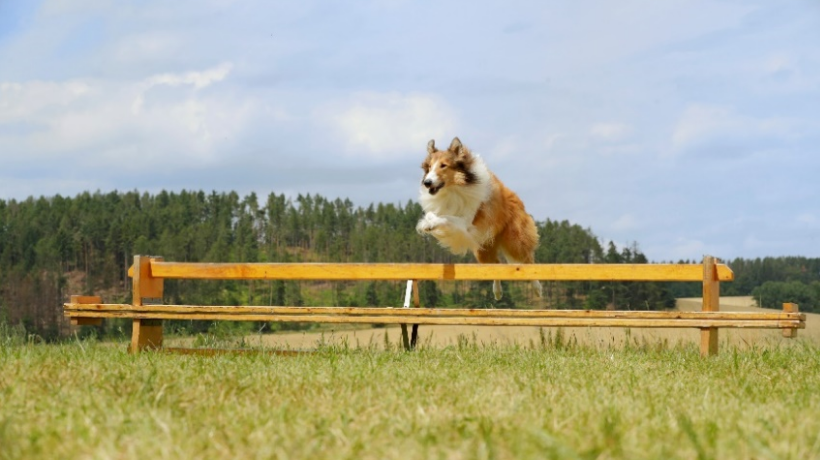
[51,247]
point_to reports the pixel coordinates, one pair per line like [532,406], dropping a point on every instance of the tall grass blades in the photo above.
[91,400]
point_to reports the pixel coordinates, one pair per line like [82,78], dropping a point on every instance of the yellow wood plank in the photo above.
[457,320]
[240,311]
[711,302]
[86,299]
[145,284]
[353,271]
[146,334]
[793,309]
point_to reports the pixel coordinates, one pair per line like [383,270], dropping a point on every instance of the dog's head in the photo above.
[443,168]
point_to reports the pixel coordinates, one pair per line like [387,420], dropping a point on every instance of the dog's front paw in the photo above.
[428,223]
[425,226]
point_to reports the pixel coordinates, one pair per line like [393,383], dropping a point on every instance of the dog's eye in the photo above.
[443,166]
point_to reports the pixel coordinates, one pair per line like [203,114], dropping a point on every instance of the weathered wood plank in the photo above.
[793,309]
[86,299]
[457,320]
[504,272]
[80,309]
[146,289]
[711,302]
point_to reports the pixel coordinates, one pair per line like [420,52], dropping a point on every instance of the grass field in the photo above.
[548,400]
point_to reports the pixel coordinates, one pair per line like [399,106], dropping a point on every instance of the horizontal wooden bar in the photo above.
[506,272]
[465,312]
[499,317]
[475,321]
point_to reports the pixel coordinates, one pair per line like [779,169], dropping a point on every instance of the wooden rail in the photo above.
[422,272]
[147,311]
[449,316]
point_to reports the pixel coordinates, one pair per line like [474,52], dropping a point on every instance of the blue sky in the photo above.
[689,127]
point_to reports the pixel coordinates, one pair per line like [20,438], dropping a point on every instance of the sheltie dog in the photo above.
[466,208]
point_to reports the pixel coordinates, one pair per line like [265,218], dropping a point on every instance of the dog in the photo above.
[466,208]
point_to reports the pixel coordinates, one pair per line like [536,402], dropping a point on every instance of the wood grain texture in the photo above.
[504,272]
[711,302]
[86,299]
[790,308]
[476,321]
[80,309]
[145,333]
[545,318]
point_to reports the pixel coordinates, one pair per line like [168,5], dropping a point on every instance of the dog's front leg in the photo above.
[429,222]
[450,231]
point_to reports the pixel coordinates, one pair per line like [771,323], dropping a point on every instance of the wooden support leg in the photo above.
[711,302]
[790,308]
[146,335]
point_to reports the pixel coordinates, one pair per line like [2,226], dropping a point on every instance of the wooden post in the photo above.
[790,308]
[711,302]
[86,299]
[147,290]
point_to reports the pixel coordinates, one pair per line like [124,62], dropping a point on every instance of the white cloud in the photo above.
[384,125]
[721,125]
[625,222]
[808,219]
[610,132]
[686,249]
[21,101]
[198,80]
[110,122]
[577,103]
[57,7]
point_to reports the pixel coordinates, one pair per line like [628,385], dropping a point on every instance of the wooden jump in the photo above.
[147,311]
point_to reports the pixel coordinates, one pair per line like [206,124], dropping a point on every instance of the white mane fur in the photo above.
[449,213]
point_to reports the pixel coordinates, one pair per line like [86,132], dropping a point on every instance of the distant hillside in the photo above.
[53,247]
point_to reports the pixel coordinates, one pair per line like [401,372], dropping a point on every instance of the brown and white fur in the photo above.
[468,209]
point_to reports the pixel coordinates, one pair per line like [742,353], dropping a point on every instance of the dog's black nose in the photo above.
[427,183]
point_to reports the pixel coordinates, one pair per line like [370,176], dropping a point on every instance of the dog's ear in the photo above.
[431,146]
[461,152]
[456,145]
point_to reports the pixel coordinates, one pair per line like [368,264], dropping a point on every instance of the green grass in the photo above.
[88,400]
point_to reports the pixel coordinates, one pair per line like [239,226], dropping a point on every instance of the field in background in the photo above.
[507,335]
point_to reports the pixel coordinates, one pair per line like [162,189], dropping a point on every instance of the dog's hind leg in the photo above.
[527,259]
[518,243]
[489,255]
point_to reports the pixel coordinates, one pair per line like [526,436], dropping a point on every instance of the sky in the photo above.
[687,127]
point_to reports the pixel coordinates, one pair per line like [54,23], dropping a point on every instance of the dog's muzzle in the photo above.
[432,189]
